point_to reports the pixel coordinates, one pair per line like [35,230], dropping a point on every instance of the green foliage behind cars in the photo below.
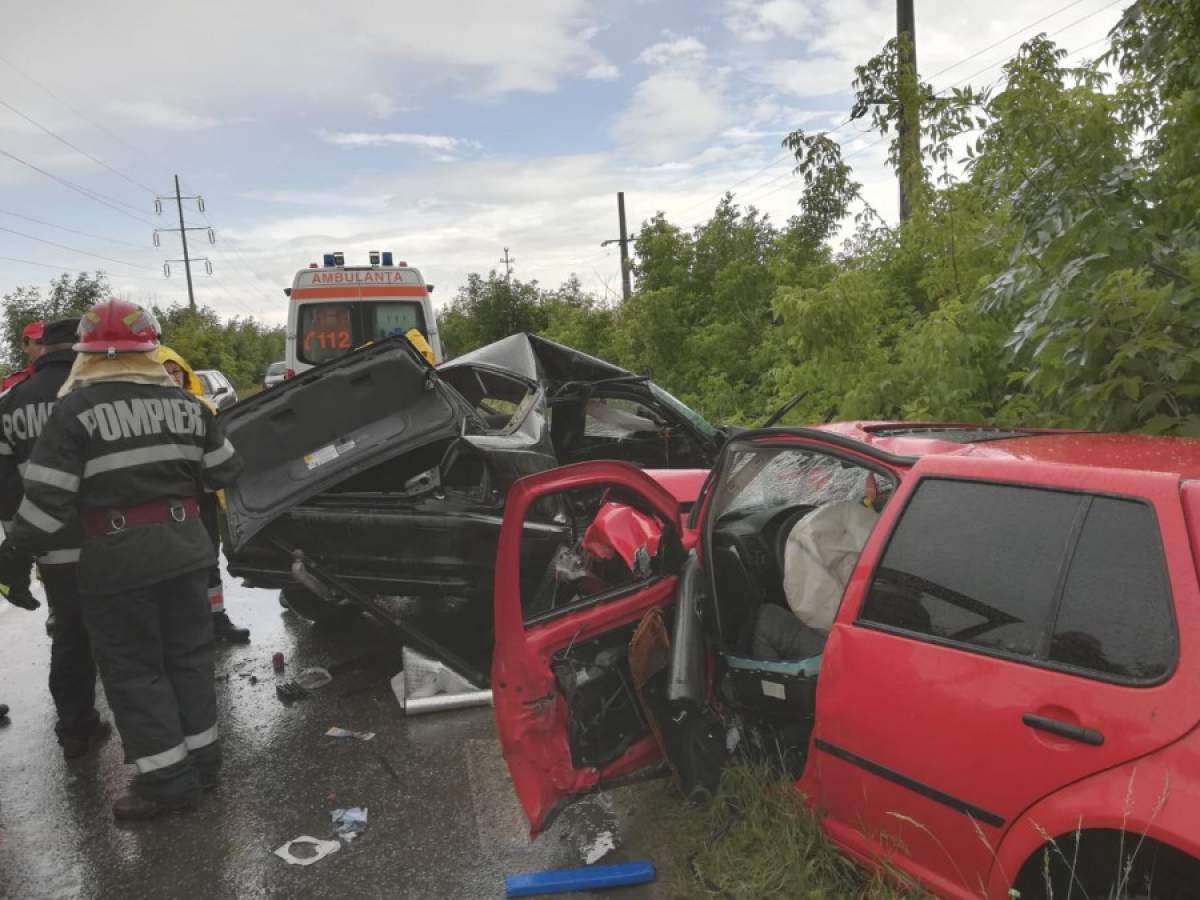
[1048,274]
[240,348]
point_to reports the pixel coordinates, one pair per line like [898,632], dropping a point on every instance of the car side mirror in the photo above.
[221,390]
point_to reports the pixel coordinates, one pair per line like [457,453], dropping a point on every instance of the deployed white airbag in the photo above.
[820,554]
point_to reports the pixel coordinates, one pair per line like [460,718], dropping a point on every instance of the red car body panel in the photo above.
[1157,796]
[919,759]
[531,716]
[620,530]
[913,707]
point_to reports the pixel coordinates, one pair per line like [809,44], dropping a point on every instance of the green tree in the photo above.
[487,309]
[66,297]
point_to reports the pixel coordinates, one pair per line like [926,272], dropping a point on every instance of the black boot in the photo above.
[3,713]
[133,806]
[77,744]
[225,630]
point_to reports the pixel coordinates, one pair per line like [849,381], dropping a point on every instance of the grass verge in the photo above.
[755,838]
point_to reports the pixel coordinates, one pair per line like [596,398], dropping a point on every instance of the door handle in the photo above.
[1089,736]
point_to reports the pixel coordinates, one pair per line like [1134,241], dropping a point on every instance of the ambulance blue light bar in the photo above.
[327,259]
[387,257]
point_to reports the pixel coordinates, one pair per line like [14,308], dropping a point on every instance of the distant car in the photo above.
[217,388]
[276,374]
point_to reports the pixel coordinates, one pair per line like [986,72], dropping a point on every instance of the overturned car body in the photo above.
[377,476]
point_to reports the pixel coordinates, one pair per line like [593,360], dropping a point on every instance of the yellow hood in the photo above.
[191,381]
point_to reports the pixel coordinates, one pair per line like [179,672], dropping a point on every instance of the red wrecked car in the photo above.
[975,648]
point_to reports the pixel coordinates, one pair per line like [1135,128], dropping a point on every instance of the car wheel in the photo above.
[316,609]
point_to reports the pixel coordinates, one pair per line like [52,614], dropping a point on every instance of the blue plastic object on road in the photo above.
[585,879]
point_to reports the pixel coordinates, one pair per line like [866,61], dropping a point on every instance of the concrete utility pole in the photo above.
[183,229]
[508,261]
[908,86]
[623,240]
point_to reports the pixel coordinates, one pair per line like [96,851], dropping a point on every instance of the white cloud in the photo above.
[669,51]
[671,112]
[440,142]
[322,49]
[755,20]
[817,76]
[603,71]
[156,114]
[381,106]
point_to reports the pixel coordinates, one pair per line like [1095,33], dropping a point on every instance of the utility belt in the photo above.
[98,521]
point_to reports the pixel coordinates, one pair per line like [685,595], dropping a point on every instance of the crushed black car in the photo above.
[378,482]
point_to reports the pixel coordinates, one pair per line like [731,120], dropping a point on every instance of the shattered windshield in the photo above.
[757,478]
[683,411]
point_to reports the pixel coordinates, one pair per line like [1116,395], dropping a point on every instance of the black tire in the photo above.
[316,609]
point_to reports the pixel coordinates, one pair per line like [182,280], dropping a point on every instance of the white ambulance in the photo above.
[335,308]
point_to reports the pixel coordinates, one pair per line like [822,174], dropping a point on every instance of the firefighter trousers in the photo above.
[72,671]
[154,648]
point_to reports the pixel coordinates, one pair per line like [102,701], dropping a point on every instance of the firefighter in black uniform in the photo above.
[126,453]
[23,411]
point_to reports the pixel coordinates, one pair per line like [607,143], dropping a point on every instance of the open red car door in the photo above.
[568,717]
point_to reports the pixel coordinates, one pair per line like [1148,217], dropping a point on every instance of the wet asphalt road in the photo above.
[443,820]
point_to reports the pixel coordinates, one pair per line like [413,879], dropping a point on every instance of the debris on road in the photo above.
[289,690]
[599,848]
[313,678]
[349,823]
[426,685]
[445,702]
[311,850]
[584,879]
[336,732]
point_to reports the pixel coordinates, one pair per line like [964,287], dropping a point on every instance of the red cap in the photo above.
[33,331]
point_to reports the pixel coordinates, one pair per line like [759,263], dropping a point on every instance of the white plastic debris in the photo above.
[311,679]
[335,732]
[427,685]
[349,823]
[320,849]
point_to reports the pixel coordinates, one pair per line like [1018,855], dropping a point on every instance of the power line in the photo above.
[1011,56]
[955,65]
[77,149]
[74,249]
[30,262]
[98,237]
[1005,39]
[81,115]
[883,139]
[249,273]
[110,202]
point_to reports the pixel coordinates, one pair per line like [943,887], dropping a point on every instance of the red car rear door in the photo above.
[533,703]
[998,641]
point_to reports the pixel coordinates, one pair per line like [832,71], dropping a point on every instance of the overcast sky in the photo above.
[443,131]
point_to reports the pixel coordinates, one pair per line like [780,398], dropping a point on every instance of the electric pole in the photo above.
[623,240]
[908,86]
[508,261]
[183,229]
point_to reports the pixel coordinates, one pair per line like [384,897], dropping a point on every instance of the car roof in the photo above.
[1140,452]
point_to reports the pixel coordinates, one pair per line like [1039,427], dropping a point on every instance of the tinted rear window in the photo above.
[1062,578]
[330,330]
[976,563]
[1115,615]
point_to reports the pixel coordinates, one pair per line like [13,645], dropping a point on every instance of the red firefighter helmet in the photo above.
[117,326]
